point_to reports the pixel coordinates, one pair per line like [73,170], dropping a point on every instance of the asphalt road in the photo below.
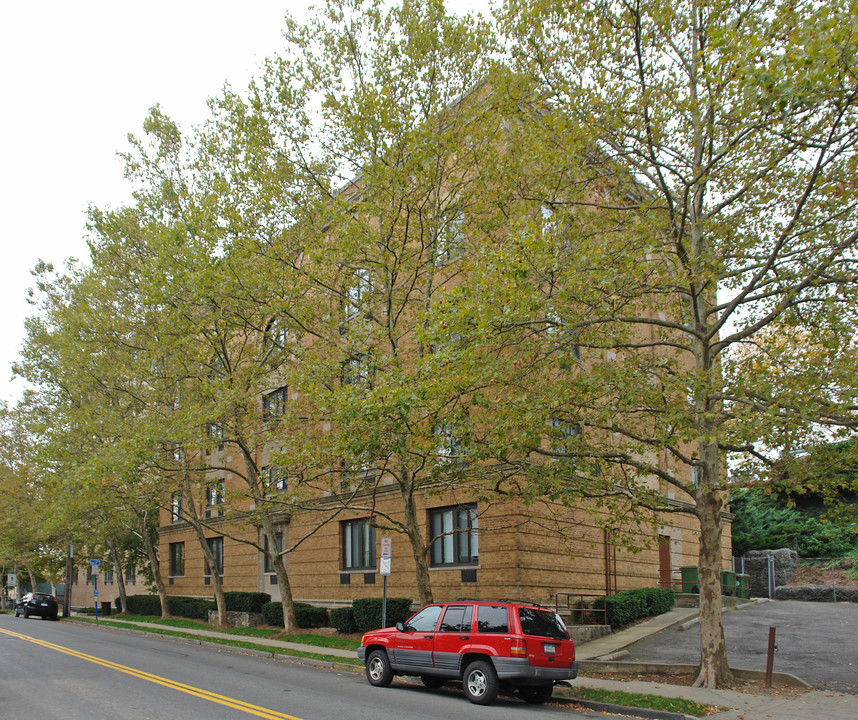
[817,642]
[65,671]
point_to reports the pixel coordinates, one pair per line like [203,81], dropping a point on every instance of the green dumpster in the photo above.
[743,586]
[728,583]
[690,579]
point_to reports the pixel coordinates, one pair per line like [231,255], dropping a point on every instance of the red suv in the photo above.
[489,646]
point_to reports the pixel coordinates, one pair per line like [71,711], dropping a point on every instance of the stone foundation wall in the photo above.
[818,593]
[757,566]
[238,619]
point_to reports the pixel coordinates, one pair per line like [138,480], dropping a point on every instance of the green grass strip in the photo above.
[630,699]
[324,641]
[227,641]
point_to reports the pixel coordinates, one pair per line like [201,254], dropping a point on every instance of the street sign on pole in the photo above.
[95,562]
[386,543]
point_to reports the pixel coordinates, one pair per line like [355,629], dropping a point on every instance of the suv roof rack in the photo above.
[519,602]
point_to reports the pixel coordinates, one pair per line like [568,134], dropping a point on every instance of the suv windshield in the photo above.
[542,623]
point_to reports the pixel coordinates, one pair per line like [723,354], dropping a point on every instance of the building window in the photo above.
[215,432]
[176,507]
[357,292]
[357,370]
[274,403]
[89,575]
[130,576]
[276,334]
[562,433]
[360,473]
[177,559]
[453,535]
[358,545]
[451,241]
[75,577]
[216,547]
[268,565]
[275,479]
[108,577]
[448,443]
[215,499]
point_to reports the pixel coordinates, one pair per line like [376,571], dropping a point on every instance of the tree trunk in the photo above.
[154,564]
[120,577]
[418,545]
[714,670]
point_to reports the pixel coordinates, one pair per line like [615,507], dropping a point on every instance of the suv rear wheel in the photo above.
[481,683]
[378,670]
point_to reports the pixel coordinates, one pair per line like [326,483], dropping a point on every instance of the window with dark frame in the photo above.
[215,497]
[274,478]
[357,292]
[177,559]
[216,547]
[357,370]
[358,545]
[268,566]
[454,535]
[176,507]
[450,242]
[274,403]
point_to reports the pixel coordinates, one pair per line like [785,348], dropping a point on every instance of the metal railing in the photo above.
[579,607]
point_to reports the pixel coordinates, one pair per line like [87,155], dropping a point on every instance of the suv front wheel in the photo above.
[378,670]
[481,682]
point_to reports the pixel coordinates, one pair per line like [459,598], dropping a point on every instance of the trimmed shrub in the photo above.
[309,616]
[249,602]
[191,608]
[630,605]
[367,612]
[306,616]
[144,605]
[343,619]
[272,614]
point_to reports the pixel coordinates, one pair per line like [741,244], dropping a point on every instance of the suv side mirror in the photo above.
[400,627]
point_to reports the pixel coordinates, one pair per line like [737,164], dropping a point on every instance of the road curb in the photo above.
[668,669]
[631,711]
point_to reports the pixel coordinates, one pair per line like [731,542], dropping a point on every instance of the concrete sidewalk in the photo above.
[793,705]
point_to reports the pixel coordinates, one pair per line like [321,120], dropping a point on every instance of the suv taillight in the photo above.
[518,648]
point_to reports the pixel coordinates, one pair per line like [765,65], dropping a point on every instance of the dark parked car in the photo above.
[37,603]
[488,646]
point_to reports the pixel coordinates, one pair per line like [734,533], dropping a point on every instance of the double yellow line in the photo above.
[165,682]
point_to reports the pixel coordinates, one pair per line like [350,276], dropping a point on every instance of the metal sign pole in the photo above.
[94,563]
[384,569]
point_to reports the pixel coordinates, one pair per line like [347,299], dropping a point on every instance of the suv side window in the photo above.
[492,619]
[457,618]
[425,620]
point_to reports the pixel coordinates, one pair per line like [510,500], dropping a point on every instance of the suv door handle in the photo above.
[428,637]
[464,637]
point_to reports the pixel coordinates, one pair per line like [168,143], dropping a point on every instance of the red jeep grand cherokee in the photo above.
[489,646]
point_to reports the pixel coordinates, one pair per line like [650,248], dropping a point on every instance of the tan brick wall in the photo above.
[524,553]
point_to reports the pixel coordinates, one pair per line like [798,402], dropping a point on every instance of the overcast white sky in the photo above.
[76,78]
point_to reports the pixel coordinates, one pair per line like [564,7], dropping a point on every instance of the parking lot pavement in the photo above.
[817,642]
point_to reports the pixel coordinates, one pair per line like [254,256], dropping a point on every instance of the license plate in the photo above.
[550,649]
